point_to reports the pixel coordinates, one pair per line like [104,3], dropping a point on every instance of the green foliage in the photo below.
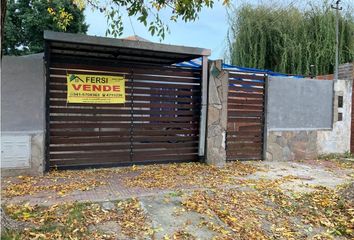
[10,235]
[289,40]
[336,156]
[27,19]
[148,13]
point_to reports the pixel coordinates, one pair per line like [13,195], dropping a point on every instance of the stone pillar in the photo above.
[217,114]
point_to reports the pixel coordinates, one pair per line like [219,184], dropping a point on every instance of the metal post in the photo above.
[265,115]
[203,115]
[47,63]
[337,8]
[132,116]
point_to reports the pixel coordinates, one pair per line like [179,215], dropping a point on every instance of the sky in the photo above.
[209,31]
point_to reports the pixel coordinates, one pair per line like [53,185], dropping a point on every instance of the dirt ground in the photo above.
[244,200]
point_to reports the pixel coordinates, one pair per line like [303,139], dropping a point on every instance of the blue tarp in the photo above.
[197,64]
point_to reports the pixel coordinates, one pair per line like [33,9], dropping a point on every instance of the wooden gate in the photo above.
[158,123]
[245,128]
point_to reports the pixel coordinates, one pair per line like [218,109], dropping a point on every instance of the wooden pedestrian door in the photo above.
[159,122]
[246,107]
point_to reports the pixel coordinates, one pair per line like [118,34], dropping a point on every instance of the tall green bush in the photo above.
[289,40]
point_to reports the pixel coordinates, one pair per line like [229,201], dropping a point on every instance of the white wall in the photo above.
[337,140]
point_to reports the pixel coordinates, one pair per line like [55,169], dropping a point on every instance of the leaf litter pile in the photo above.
[262,210]
[254,209]
[60,182]
[80,221]
[168,176]
[189,175]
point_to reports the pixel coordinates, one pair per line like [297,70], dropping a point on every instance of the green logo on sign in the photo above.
[75,78]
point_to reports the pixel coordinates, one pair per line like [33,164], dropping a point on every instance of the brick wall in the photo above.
[346,71]
[325,77]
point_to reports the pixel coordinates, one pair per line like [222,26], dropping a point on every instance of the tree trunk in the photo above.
[3,14]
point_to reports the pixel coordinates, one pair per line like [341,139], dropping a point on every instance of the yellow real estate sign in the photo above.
[83,88]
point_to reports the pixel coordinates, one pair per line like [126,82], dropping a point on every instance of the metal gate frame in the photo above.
[242,84]
[62,43]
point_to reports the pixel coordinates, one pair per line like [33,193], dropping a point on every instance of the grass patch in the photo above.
[336,156]
[10,235]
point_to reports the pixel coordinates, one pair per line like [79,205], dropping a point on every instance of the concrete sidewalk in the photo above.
[114,183]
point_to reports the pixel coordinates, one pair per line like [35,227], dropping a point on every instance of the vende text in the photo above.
[94,88]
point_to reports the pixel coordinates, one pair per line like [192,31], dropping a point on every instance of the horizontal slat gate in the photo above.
[158,123]
[246,98]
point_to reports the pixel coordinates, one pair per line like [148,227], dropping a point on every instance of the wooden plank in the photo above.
[165,99]
[112,146]
[119,111]
[251,127]
[166,106]
[168,132]
[58,87]
[120,65]
[164,86]
[128,69]
[155,78]
[253,138]
[136,159]
[89,161]
[113,154]
[245,114]
[54,133]
[161,126]
[244,136]
[165,92]
[121,119]
[236,89]
[255,155]
[170,79]
[63,97]
[98,155]
[244,101]
[72,140]
[246,76]
[170,151]
[240,107]
[250,152]
[244,144]
[245,133]
[245,95]
[168,139]
[246,83]
[244,111]
[245,119]
[86,148]
[104,139]
[189,157]
[147,84]
[240,146]
[246,151]
[124,72]
[243,158]
[143,91]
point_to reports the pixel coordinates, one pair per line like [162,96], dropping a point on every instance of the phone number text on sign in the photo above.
[83,88]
